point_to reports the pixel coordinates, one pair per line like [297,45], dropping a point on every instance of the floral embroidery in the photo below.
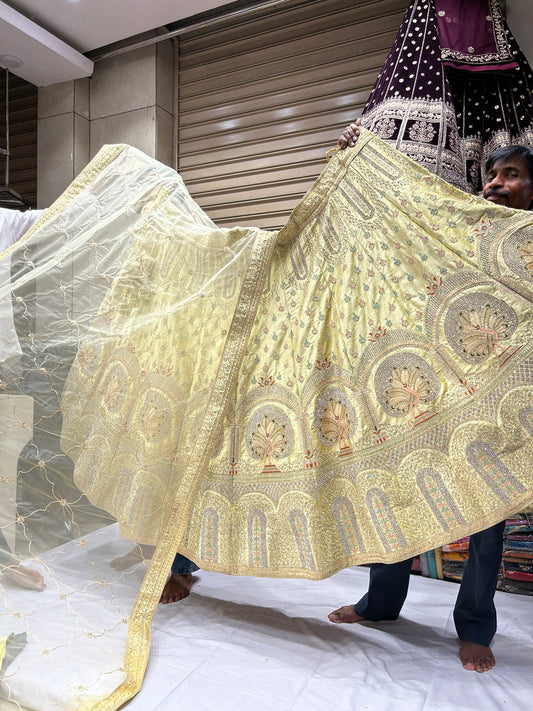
[422,131]
[267,381]
[482,228]
[377,333]
[323,363]
[433,285]
[113,393]
[385,128]
[151,420]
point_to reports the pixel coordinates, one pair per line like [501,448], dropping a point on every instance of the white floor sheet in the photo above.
[247,644]
[252,644]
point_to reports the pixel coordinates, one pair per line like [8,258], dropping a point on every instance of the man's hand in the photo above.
[350,135]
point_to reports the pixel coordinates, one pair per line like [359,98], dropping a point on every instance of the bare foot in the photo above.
[345,614]
[137,554]
[24,577]
[476,657]
[177,588]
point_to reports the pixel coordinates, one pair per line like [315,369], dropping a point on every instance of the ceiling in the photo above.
[50,37]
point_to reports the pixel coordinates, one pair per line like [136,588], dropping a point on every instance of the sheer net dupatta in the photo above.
[115,278]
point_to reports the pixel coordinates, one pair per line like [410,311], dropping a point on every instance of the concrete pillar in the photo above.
[62,137]
[519,17]
[129,99]
[132,101]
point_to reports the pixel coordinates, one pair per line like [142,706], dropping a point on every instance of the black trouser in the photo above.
[474,613]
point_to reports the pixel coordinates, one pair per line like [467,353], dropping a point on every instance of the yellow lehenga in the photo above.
[355,388]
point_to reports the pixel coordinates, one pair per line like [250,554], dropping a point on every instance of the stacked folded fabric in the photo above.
[454,557]
[517,558]
[429,565]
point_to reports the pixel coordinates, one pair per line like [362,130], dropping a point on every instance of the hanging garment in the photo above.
[454,88]
[355,388]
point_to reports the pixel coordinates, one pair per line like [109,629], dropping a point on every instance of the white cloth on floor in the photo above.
[254,644]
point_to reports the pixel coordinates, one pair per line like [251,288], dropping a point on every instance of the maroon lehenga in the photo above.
[455,86]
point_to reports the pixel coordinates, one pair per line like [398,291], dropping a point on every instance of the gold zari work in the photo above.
[355,388]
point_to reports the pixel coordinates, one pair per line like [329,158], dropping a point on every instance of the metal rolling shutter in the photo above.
[23,137]
[260,101]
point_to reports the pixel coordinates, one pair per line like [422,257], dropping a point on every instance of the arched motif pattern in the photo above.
[209,535]
[139,506]
[492,470]
[257,541]
[385,521]
[525,417]
[347,526]
[330,235]
[300,531]
[438,497]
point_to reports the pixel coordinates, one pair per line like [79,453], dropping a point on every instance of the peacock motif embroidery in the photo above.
[408,391]
[268,442]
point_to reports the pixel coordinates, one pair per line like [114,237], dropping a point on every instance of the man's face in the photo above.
[509,183]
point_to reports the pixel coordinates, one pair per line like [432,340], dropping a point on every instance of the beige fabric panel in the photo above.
[261,100]
[23,136]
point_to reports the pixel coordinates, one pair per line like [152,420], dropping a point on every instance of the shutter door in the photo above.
[22,136]
[262,99]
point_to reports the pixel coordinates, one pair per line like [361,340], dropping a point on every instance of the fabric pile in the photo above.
[430,565]
[454,557]
[517,558]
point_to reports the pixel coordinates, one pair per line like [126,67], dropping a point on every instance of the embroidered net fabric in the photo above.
[270,404]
